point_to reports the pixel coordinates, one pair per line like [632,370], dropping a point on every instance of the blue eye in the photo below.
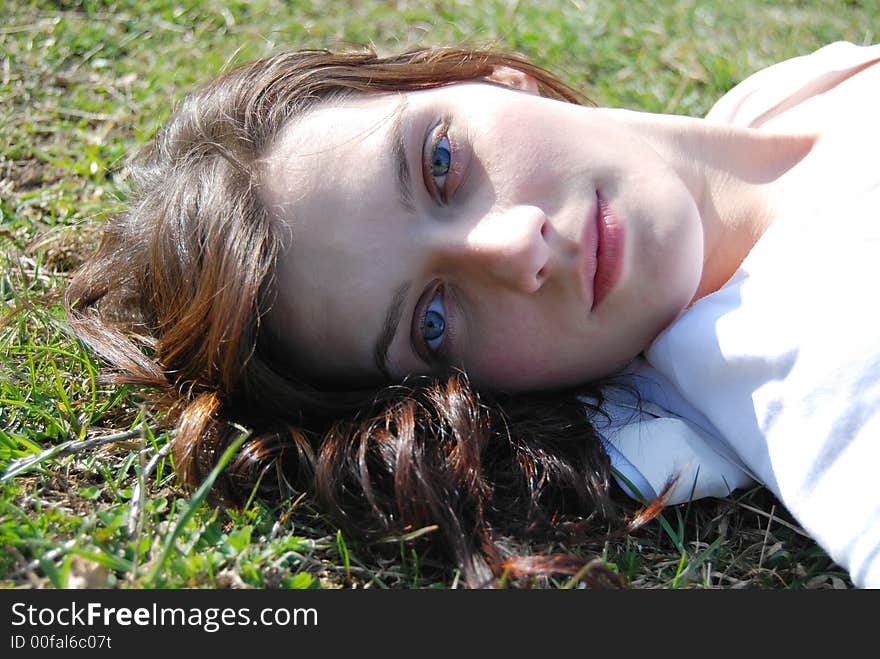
[434,322]
[441,162]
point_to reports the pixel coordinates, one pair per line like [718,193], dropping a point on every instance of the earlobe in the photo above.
[513,78]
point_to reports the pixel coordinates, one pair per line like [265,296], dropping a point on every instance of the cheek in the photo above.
[522,351]
[510,369]
[518,159]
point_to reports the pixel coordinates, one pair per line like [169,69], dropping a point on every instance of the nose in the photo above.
[510,247]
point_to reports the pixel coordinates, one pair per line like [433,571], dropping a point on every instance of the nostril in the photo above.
[544,230]
[539,277]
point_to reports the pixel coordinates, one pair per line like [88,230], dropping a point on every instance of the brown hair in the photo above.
[174,299]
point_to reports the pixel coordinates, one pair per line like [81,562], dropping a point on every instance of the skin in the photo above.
[516,230]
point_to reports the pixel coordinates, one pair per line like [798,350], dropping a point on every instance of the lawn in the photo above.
[87,493]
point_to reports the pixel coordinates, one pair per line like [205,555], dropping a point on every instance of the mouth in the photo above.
[602,243]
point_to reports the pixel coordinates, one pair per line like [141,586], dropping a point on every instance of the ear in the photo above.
[513,78]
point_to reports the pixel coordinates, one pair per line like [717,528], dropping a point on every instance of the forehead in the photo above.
[309,149]
[329,183]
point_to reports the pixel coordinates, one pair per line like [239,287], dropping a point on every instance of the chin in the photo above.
[678,276]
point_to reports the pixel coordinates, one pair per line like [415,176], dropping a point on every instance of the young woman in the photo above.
[419,279]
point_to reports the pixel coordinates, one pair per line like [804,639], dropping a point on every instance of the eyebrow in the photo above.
[389,329]
[398,152]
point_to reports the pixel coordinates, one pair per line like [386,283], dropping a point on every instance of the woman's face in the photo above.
[530,242]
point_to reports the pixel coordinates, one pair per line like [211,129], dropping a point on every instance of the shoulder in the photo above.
[771,91]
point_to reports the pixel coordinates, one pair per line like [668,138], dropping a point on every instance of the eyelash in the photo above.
[437,296]
[440,136]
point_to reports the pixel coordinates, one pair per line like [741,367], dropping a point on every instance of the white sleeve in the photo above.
[654,436]
[657,450]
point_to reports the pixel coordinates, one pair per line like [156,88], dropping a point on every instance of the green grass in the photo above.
[84,83]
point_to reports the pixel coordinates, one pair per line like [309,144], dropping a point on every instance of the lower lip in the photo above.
[609,252]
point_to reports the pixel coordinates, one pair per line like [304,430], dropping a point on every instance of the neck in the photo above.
[734,175]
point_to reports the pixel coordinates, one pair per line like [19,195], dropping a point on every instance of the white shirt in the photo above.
[775,377]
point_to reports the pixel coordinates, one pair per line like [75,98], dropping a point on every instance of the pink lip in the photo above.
[602,242]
